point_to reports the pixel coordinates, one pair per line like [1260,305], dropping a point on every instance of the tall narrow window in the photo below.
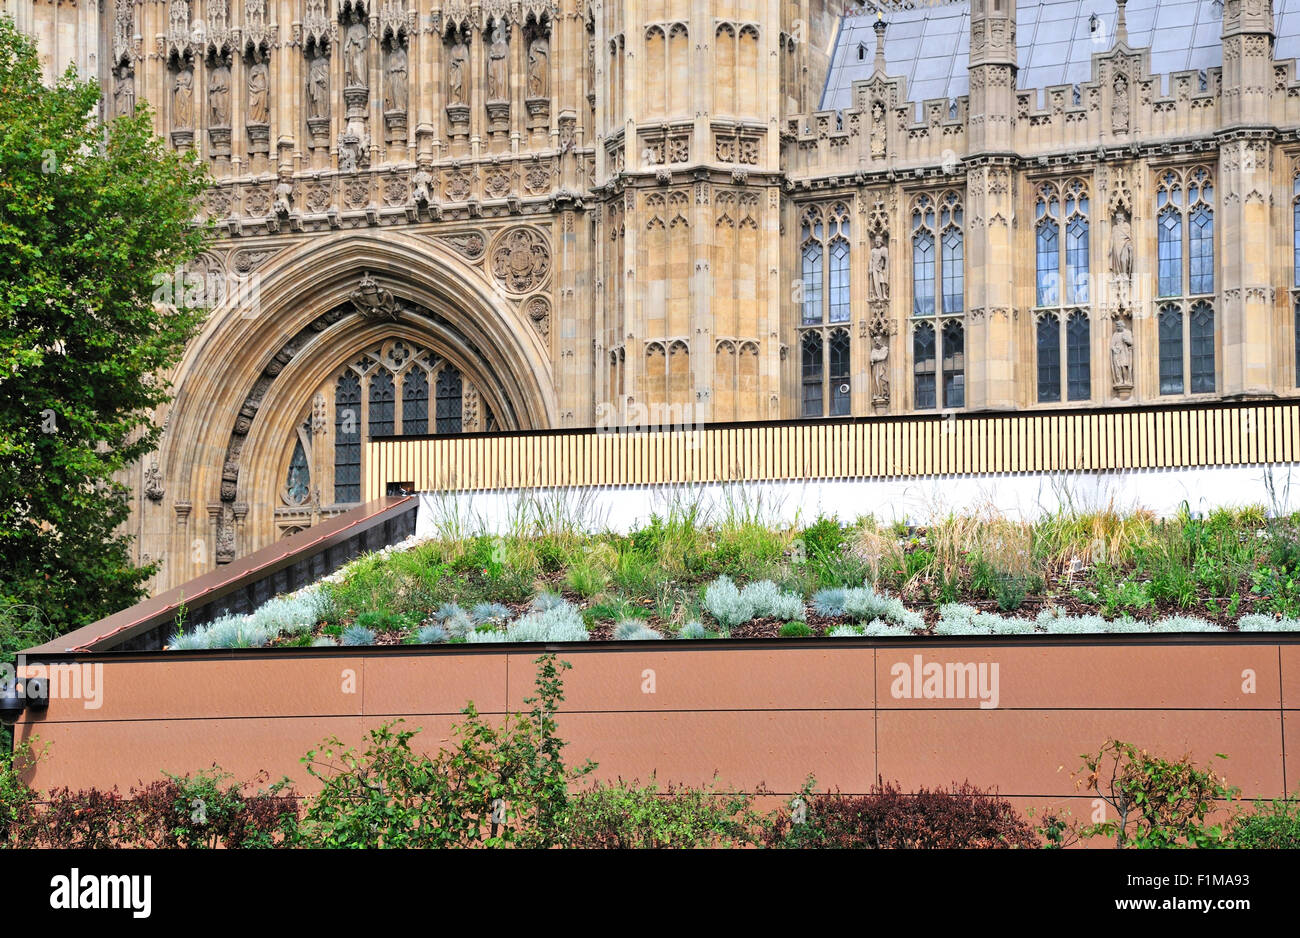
[839,281]
[812,283]
[1076,258]
[1169,253]
[1078,356]
[923,365]
[954,365]
[812,374]
[923,274]
[381,403]
[1200,232]
[1295,232]
[415,402]
[839,373]
[953,286]
[1201,333]
[297,485]
[347,439]
[1049,260]
[1049,359]
[1171,350]
[448,403]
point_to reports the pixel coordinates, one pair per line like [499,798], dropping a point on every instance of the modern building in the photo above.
[441,217]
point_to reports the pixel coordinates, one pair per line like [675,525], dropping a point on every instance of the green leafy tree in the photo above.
[94,220]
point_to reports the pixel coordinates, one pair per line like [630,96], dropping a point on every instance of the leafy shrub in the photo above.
[626,816]
[1273,825]
[863,603]
[723,601]
[886,818]
[1261,623]
[766,601]
[235,632]
[357,635]
[291,615]
[558,622]
[795,630]
[1157,802]
[823,538]
[844,631]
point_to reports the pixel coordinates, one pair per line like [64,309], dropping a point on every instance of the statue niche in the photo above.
[456,55]
[257,115]
[537,80]
[498,78]
[396,86]
[218,68]
[354,142]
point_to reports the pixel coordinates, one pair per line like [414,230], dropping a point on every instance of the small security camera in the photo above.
[11,704]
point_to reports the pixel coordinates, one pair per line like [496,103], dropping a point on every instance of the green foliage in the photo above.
[89,216]
[795,630]
[823,538]
[628,816]
[1156,802]
[1273,825]
[494,786]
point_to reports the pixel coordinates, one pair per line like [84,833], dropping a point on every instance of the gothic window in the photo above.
[1295,232]
[1049,359]
[923,365]
[347,439]
[812,374]
[1171,350]
[839,373]
[1185,249]
[297,483]
[1201,329]
[381,403]
[938,302]
[1078,339]
[954,364]
[827,300]
[415,403]
[448,390]
[1063,331]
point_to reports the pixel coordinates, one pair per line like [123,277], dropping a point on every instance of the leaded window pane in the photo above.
[448,403]
[923,274]
[1201,334]
[1076,260]
[839,280]
[1171,351]
[953,288]
[347,439]
[1200,233]
[1049,360]
[812,375]
[415,402]
[923,366]
[841,388]
[812,283]
[1169,251]
[954,365]
[381,403]
[1049,264]
[1078,354]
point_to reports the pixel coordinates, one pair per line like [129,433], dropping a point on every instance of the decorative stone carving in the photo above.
[1119,105]
[123,90]
[539,64]
[880,368]
[457,70]
[355,43]
[521,260]
[395,94]
[878,275]
[219,95]
[422,183]
[1121,256]
[153,482]
[1121,357]
[538,310]
[258,92]
[284,193]
[318,87]
[183,99]
[471,244]
[320,415]
[373,301]
[498,71]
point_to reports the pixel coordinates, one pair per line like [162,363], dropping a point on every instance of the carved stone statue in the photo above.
[877,129]
[457,62]
[219,96]
[284,193]
[395,96]
[539,54]
[123,90]
[498,85]
[422,184]
[355,70]
[183,99]
[258,85]
[1121,355]
[373,301]
[879,272]
[880,367]
[1119,104]
[1121,254]
[318,88]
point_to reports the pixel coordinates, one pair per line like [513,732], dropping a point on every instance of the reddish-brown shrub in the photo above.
[961,817]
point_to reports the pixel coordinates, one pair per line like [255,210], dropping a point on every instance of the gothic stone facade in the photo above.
[440,216]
